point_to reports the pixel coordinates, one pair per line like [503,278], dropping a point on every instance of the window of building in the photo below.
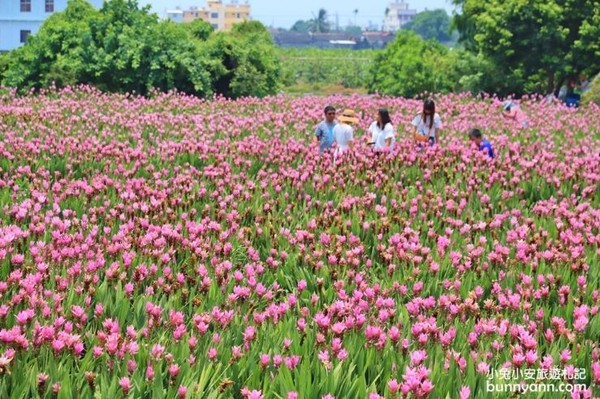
[214,15]
[24,35]
[49,5]
[25,5]
[238,15]
[215,26]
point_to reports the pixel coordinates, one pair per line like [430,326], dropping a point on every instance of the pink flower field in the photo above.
[182,248]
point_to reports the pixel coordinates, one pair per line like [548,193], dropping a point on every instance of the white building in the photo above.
[175,15]
[21,18]
[397,14]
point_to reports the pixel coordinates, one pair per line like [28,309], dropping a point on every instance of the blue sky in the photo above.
[285,13]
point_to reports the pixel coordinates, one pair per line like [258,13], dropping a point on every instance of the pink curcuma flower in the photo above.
[342,355]
[149,373]
[394,386]
[135,216]
[265,360]
[417,357]
[255,394]
[465,392]
[565,356]
[236,352]
[174,370]
[42,378]
[125,384]
[302,285]
[157,351]
[596,372]
[182,392]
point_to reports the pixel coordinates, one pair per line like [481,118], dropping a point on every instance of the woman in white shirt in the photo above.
[382,131]
[427,123]
[343,132]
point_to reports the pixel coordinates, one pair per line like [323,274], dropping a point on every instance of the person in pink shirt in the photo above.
[514,112]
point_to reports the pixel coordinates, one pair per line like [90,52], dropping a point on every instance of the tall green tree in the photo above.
[244,63]
[302,26]
[410,65]
[537,43]
[321,23]
[199,29]
[56,53]
[125,48]
[434,24]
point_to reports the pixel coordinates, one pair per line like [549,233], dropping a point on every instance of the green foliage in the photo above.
[3,65]
[535,44]
[319,24]
[434,24]
[476,73]
[593,94]
[301,26]
[199,29]
[131,51]
[348,68]
[56,53]
[122,48]
[409,66]
[244,63]
[251,27]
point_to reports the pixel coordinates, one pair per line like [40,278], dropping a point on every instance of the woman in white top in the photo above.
[382,131]
[343,132]
[427,123]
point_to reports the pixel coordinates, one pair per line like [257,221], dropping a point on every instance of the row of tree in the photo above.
[535,45]
[506,47]
[429,24]
[125,48]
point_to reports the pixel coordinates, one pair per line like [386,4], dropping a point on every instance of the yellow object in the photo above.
[220,15]
[348,116]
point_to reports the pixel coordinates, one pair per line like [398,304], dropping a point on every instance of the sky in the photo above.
[283,14]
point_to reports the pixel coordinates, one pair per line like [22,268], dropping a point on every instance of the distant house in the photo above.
[287,39]
[397,15]
[21,18]
[221,16]
[378,39]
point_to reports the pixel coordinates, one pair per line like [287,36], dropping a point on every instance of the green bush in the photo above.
[122,48]
[593,94]
[244,62]
[409,66]
[3,65]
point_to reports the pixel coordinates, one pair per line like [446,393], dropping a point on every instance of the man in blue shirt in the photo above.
[324,131]
[483,145]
